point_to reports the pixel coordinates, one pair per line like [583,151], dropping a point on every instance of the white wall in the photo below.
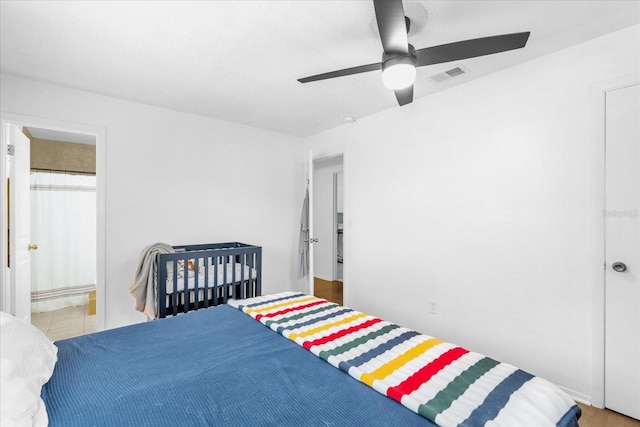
[181,179]
[484,205]
[324,229]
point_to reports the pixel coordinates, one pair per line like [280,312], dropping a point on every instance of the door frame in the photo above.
[336,188]
[598,93]
[312,159]
[100,134]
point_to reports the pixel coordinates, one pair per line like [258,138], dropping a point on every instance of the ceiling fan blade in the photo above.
[404,96]
[470,48]
[392,26]
[344,72]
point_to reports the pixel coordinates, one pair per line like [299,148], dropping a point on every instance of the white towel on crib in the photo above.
[144,283]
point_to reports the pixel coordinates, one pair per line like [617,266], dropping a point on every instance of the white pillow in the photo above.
[27,359]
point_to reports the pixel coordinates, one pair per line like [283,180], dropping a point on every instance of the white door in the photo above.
[19,223]
[622,249]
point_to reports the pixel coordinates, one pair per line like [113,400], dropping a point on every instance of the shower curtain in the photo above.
[63,225]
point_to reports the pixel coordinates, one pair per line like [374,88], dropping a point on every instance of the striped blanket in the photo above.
[443,382]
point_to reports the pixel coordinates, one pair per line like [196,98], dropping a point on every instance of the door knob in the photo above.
[619,267]
[32,247]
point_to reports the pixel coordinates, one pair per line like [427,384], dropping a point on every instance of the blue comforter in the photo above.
[213,367]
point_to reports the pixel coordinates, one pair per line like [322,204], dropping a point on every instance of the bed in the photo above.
[286,359]
[204,275]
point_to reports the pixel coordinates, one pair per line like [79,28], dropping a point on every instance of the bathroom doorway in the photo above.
[15,157]
[63,228]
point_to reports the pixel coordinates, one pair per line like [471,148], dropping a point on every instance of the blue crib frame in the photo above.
[219,257]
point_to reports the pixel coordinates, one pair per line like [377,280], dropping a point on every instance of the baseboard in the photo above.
[577,396]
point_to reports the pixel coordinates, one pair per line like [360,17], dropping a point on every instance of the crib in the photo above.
[205,275]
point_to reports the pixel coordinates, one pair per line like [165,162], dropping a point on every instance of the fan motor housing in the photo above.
[388,58]
[399,70]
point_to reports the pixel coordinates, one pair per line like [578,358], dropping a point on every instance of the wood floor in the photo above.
[594,417]
[329,290]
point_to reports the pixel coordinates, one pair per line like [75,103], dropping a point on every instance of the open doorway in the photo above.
[328,212]
[63,228]
[15,287]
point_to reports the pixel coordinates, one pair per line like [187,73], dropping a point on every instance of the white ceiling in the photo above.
[239,60]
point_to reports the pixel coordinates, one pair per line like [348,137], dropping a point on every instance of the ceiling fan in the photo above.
[400,59]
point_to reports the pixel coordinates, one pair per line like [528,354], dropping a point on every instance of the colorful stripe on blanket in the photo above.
[445,383]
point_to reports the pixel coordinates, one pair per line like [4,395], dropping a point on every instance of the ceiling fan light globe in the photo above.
[398,73]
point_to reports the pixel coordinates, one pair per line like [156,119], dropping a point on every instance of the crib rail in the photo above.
[200,276]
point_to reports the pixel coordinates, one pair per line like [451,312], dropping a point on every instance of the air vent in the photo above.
[440,77]
[449,74]
[455,72]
